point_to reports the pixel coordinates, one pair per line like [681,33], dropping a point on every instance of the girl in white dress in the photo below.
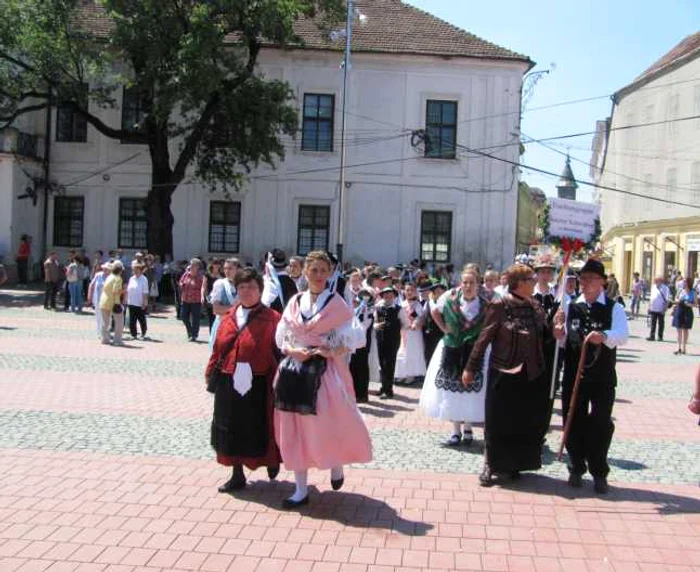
[460,314]
[410,359]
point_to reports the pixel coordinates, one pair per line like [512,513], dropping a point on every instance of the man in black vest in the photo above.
[388,329]
[591,431]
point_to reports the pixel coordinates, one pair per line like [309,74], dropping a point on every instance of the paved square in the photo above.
[105,465]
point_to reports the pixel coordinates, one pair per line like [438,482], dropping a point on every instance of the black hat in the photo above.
[386,277]
[388,290]
[594,266]
[333,257]
[278,258]
[437,285]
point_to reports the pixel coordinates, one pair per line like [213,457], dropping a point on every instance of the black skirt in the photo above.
[240,424]
[517,419]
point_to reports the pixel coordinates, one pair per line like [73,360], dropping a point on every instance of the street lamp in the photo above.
[335,35]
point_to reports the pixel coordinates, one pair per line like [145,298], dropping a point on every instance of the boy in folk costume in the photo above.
[359,361]
[410,359]
[387,326]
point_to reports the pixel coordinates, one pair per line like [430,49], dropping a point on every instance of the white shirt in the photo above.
[136,289]
[659,298]
[618,333]
[242,316]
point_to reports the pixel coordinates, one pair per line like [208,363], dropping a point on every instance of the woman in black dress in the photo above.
[517,395]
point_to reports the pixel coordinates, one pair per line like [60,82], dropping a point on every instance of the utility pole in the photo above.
[341,191]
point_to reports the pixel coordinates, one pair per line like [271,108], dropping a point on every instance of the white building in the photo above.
[410,71]
[658,161]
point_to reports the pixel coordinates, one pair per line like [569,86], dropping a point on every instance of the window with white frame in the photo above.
[313,228]
[440,129]
[317,125]
[68,213]
[436,236]
[224,226]
[133,223]
[71,127]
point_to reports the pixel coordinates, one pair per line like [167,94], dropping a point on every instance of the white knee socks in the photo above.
[300,478]
[456,427]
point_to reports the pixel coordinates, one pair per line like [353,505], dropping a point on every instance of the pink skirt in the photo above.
[335,436]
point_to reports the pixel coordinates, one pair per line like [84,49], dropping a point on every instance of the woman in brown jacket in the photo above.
[517,395]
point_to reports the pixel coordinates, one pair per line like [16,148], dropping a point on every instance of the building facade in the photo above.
[649,149]
[403,198]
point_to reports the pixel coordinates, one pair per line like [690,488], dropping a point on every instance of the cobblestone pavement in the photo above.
[105,465]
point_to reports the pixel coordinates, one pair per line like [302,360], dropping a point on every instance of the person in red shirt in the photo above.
[23,254]
[191,298]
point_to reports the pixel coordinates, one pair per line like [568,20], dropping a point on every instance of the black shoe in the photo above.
[337,484]
[515,475]
[600,485]
[650,339]
[235,483]
[486,477]
[387,395]
[454,441]
[575,480]
[661,339]
[272,472]
[467,438]
[362,400]
[289,504]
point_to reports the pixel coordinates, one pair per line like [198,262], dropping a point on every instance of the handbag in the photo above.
[298,384]
[117,309]
[213,376]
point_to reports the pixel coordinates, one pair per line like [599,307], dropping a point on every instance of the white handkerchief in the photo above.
[243,378]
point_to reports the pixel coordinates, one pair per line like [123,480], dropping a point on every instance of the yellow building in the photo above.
[647,159]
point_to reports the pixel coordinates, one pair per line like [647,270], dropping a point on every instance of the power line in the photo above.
[604,187]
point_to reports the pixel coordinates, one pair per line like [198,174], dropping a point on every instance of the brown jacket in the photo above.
[516,328]
[52,271]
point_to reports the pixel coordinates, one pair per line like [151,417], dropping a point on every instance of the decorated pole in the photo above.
[572,226]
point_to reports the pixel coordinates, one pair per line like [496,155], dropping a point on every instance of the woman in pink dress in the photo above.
[329,432]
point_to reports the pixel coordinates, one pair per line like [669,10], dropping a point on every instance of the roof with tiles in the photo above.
[391,26]
[687,49]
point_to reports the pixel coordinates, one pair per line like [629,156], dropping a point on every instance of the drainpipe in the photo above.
[47,166]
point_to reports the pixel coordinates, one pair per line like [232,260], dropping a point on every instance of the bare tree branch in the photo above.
[195,137]
[6,121]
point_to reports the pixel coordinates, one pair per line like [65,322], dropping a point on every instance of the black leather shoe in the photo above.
[289,504]
[272,472]
[235,483]
[650,339]
[486,477]
[387,395]
[575,480]
[337,484]
[600,485]
[515,475]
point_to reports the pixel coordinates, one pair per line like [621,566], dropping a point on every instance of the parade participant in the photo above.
[223,296]
[604,319]
[318,424]
[659,300]
[353,287]
[517,397]
[359,361]
[491,281]
[410,358]
[245,357]
[502,287]
[279,286]
[683,314]
[571,285]
[459,313]
[295,270]
[432,334]
[387,326]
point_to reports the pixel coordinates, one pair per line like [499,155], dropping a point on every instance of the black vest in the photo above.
[391,331]
[289,289]
[548,303]
[599,367]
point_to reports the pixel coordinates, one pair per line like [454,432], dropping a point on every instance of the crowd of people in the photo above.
[294,346]
[293,357]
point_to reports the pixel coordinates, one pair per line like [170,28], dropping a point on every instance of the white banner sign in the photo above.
[693,244]
[572,219]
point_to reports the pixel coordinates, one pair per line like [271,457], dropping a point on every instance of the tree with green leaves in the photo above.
[192,64]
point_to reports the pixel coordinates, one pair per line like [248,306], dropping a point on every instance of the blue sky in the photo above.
[597,46]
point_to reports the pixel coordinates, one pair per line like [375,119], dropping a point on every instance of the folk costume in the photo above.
[410,358]
[242,431]
[359,361]
[279,287]
[443,395]
[547,299]
[387,326]
[336,434]
[517,396]
[592,431]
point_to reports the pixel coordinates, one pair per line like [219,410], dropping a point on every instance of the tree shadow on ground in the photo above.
[663,503]
[349,509]
[382,409]
[21,298]
[626,465]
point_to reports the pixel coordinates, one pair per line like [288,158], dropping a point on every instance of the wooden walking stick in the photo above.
[574,396]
